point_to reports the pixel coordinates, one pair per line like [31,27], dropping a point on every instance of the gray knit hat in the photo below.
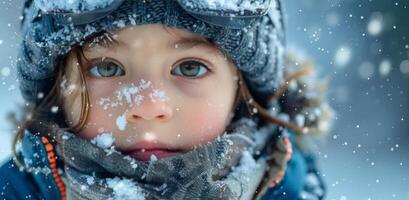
[249,31]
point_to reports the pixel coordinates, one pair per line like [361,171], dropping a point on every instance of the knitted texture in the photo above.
[256,49]
[226,168]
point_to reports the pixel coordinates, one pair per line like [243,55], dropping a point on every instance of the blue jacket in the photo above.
[301,180]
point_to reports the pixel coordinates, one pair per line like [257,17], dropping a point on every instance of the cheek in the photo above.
[97,123]
[100,120]
[206,124]
[72,107]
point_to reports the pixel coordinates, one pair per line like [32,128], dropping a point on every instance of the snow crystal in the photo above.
[104,140]
[132,162]
[84,187]
[111,150]
[28,162]
[90,180]
[54,109]
[40,95]
[145,84]
[125,189]
[72,5]
[404,67]
[300,120]
[138,99]
[130,94]
[234,5]
[120,23]
[385,68]
[121,122]
[157,94]
[375,25]
[5,71]
[342,56]
[153,158]
[65,137]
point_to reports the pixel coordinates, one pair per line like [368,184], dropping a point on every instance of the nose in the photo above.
[150,108]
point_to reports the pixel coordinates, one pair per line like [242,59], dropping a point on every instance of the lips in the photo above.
[149,150]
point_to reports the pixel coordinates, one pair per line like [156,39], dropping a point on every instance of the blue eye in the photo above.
[190,69]
[106,69]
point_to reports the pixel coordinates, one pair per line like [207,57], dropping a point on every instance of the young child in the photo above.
[162,99]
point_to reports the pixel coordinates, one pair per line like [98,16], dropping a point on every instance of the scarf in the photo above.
[233,166]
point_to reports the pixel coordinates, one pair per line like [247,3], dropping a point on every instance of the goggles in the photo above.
[231,14]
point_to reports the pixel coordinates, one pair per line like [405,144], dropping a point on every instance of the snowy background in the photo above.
[362,46]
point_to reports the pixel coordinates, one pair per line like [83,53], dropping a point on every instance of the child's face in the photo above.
[155,90]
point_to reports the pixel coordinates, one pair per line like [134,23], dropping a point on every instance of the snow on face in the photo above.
[131,96]
[157,95]
[149,104]
[104,140]
[121,122]
[125,94]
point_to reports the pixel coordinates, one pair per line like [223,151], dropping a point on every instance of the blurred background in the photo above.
[360,46]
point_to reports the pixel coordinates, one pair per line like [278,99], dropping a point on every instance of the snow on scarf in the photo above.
[230,167]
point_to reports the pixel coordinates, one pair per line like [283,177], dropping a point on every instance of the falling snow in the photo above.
[343,56]
[385,68]
[404,67]
[5,71]
[375,25]
[54,109]
[361,47]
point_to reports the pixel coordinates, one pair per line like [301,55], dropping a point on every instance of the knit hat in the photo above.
[249,31]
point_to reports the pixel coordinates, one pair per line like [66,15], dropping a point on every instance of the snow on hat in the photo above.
[251,32]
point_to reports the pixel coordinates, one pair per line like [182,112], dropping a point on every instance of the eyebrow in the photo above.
[106,41]
[102,39]
[187,43]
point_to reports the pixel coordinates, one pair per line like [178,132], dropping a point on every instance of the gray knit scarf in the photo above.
[230,167]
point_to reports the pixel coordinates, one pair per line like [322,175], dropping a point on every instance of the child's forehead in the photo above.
[169,36]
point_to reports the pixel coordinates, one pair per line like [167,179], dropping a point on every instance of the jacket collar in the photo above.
[40,158]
